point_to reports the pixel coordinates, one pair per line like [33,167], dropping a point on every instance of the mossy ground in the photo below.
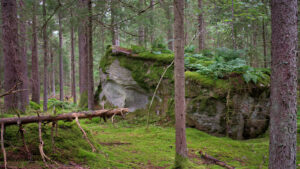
[128,144]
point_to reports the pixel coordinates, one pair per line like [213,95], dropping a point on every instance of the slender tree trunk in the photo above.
[10,51]
[35,60]
[232,25]
[114,28]
[52,72]
[45,48]
[264,31]
[167,10]
[283,117]
[61,67]
[141,30]
[201,26]
[152,22]
[73,79]
[254,61]
[181,147]
[90,59]
[264,43]
[24,96]
[83,55]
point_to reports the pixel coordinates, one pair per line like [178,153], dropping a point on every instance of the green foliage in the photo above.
[223,64]
[34,105]
[58,104]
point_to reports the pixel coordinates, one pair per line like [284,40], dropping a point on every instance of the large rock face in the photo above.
[223,107]
[120,89]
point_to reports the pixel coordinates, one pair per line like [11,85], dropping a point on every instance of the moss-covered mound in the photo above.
[216,87]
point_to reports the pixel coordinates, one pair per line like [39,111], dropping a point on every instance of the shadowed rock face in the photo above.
[120,89]
[240,112]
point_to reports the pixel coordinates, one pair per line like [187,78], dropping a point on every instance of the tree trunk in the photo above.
[283,117]
[201,27]
[52,72]
[152,22]
[232,25]
[61,67]
[24,95]
[141,30]
[10,51]
[73,79]
[83,56]
[45,48]
[254,61]
[114,28]
[264,31]
[170,27]
[181,147]
[65,116]
[35,60]
[90,59]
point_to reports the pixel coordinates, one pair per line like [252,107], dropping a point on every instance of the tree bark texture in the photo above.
[283,117]
[83,50]
[12,72]
[24,95]
[35,60]
[90,59]
[114,27]
[201,26]
[65,116]
[61,67]
[232,25]
[73,79]
[45,48]
[181,147]
[52,72]
[170,26]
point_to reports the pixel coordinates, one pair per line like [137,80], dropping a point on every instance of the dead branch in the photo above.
[2,146]
[65,116]
[13,90]
[215,161]
[85,135]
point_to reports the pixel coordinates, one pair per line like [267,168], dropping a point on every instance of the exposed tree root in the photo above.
[21,130]
[52,136]
[215,161]
[2,146]
[84,135]
[41,148]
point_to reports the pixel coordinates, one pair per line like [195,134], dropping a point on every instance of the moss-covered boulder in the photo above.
[220,106]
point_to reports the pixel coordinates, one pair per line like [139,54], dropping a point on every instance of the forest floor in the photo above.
[129,144]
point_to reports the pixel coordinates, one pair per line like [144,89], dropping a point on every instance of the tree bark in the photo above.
[90,59]
[152,22]
[264,31]
[114,28]
[24,95]
[35,60]
[201,27]
[283,117]
[181,147]
[65,116]
[52,72]
[73,79]
[170,27]
[10,51]
[83,54]
[141,30]
[61,67]
[45,48]
[232,25]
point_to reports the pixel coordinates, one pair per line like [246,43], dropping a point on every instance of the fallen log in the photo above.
[215,161]
[67,116]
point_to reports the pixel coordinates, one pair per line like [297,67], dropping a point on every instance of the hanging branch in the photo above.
[13,90]
[154,94]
